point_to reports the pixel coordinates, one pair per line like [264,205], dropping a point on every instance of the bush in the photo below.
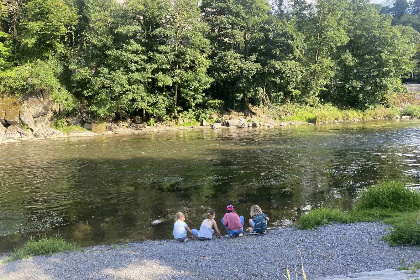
[411,110]
[322,216]
[406,233]
[44,246]
[391,195]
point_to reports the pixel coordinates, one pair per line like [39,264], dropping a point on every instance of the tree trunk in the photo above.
[176,100]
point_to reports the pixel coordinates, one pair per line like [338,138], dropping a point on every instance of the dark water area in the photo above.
[112,189]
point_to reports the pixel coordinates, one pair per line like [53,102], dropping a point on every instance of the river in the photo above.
[112,189]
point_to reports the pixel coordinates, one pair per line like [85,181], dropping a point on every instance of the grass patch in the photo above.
[100,127]
[389,195]
[322,216]
[62,125]
[411,110]
[44,246]
[327,113]
[389,202]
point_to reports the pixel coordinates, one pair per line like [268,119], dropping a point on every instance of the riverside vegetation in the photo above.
[159,61]
[388,201]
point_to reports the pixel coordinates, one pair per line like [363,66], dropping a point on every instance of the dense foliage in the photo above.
[159,58]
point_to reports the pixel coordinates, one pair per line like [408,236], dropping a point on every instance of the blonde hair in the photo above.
[255,210]
[210,214]
[179,215]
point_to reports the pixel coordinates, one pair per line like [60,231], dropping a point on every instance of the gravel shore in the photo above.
[338,249]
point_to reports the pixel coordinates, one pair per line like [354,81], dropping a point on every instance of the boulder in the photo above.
[88,126]
[15,132]
[405,118]
[47,132]
[232,123]
[27,119]
[256,124]
[216,125]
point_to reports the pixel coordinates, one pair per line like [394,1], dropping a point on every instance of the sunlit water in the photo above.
[127,188]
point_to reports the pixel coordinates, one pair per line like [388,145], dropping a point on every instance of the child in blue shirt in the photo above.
[259,219]
[181,228]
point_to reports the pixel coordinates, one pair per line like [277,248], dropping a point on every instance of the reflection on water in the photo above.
[111,189]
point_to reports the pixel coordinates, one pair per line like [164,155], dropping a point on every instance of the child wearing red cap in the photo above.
[232,222]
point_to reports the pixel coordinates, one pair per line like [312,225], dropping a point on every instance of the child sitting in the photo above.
[206,231]
[181,228]
[259,219]
[232,222]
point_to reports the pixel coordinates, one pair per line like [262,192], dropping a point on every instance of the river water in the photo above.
[111,189]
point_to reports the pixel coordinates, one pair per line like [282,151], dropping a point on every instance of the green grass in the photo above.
[389,202]
[411,110]
[328,113]
[62,125]
[322,216]
[44,246]
[389,195]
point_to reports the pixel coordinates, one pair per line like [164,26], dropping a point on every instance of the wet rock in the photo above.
[216,125]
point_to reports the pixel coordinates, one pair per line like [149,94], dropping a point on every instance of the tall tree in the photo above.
[324,32]
[234,32]
[181,57]
[375,59]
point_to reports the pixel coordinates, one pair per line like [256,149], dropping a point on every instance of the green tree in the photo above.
[46,27]
[324,32]
[374,60]
[280,55]
[181,58]
[235,34]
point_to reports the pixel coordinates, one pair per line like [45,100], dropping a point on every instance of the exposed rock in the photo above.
[256,124]
[9,111]
[88,126]
[216,125]
[137,120]
[405,118]
[27,118]
[204,123]
[15,132]
[269,125]
[45,132]
[2,131]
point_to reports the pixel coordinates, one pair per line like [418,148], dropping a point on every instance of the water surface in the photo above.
[112,189]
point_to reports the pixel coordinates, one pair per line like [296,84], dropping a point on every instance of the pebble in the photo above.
[338,249]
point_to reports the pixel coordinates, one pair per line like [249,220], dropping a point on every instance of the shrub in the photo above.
[406,233]
[322,216]
[44,246]
[411,110]
[392,195]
